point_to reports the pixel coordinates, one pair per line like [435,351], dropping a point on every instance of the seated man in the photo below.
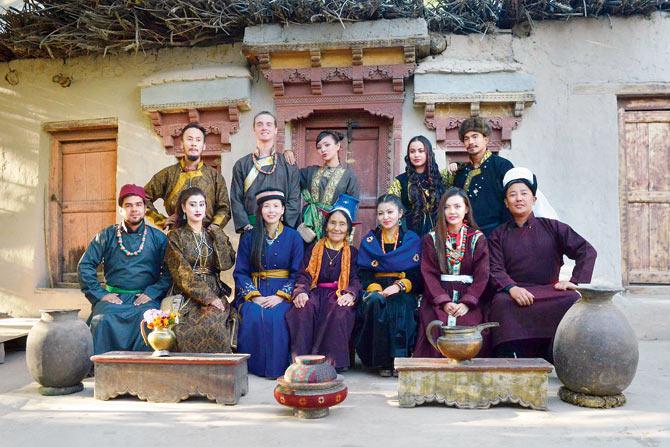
[526,257]
[132,254]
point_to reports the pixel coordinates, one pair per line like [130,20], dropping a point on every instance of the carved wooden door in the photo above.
[646,193]
[83,190]
[365,148]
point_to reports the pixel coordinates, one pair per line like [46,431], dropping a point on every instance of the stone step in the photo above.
[9,324]
[13,328]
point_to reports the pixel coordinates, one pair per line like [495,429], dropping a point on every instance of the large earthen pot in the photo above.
[595,349]
[58,351]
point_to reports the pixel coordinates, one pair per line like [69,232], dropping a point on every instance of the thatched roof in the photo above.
[67,28]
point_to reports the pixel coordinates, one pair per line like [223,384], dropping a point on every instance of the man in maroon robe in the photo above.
[526,256]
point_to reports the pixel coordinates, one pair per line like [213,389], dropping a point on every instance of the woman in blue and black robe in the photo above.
[388,263]
[268,259]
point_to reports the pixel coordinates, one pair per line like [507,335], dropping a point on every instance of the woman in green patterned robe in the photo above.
[322,185]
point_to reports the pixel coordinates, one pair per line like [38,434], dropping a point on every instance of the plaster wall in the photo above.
[569,137]
[101,88]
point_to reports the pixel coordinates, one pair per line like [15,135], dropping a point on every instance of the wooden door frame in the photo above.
[384,154]
[64,132]
[630,104]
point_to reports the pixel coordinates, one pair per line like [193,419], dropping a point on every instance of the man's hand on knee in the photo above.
[142,299]
[112,298]
[522,296]
[565,285]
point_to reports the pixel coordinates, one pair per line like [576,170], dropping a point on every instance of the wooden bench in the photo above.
[478,383]
[219,377]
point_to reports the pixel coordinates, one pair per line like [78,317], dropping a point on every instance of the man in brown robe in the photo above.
[189,171]
[526,257]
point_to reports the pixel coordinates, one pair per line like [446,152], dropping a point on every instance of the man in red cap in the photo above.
[132,255]
[189,171]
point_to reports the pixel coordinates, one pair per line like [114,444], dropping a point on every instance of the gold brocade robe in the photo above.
[202,327]
[169,182]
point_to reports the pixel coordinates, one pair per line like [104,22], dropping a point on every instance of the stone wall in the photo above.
[569,137]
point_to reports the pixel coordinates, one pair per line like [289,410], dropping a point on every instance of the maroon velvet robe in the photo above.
[437,293]
[323,326]
[531,257]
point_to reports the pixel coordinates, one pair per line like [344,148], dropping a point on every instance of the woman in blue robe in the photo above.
[388,264]
[268,259]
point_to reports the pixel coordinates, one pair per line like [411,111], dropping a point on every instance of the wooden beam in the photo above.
[99,123]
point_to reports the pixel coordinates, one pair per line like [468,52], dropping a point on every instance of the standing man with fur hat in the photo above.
[132,255]
[482,177]
[190,171]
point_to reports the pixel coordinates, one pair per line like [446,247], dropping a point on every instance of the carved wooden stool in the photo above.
[219,377]
[478,383]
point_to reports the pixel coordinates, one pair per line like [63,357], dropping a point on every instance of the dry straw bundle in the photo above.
[66,28]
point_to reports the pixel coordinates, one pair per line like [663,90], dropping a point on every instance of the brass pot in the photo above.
[161,340]
[458,342]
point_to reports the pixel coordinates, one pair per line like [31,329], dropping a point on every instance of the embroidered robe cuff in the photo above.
[157,219]
[404,284]
[251,295]
[374,287]
[282,294]
[218,220]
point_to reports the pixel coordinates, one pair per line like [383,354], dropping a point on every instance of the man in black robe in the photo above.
[263,169]
[482,177]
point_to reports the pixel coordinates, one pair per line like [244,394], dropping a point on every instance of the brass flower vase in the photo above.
[161,340]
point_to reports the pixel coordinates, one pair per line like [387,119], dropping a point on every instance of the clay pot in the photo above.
[310,386]
[595,349]
[459,343]
[58,351]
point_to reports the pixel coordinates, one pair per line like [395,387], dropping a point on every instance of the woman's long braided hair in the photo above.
[416,184]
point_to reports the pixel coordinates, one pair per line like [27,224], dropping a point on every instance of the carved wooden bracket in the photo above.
[444,113]
[220,124]
[446,130]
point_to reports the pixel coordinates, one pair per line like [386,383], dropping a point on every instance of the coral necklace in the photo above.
[394,240]
[455,245]
[123,247]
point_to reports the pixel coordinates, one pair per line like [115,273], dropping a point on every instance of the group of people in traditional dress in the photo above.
[461,245]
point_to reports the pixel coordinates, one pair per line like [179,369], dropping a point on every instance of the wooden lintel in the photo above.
[92,124]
